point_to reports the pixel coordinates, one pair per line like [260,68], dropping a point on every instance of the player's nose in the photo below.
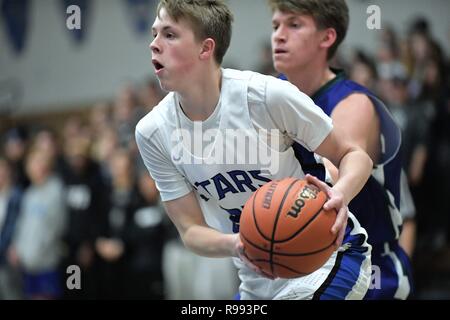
[154,46]
[279,34]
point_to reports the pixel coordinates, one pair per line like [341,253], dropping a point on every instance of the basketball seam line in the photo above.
[283,266]
[254,218]
[272,243]
[305,225]
[289,254]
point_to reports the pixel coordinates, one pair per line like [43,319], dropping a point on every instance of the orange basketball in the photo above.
[285,230]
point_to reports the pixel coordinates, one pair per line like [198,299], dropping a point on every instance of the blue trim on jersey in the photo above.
[392,172]
[344,279]
[347,268]
[371,207]
[389,278]
[308,161]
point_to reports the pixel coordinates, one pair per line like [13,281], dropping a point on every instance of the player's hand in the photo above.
[240,252]
[336,201]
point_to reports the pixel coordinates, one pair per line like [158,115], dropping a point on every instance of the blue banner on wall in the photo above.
[15,16]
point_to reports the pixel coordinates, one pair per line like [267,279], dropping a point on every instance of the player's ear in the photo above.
[207,50]
[329,38]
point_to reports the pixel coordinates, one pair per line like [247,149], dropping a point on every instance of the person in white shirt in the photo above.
[220,134]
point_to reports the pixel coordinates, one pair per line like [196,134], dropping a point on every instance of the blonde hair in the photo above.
[208,19]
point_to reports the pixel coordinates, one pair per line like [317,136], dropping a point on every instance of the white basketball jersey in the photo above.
[221,166]
[235,160]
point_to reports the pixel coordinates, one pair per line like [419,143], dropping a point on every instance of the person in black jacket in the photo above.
[131,237]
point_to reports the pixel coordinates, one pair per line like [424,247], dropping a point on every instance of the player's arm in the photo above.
[353,163]
[198,237]
[186,214]
[354,167]
[351,149]
[356,117]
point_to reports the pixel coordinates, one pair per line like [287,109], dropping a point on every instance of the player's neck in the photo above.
[311,78]
[199,101]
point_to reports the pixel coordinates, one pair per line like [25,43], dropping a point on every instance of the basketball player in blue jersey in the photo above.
[204,183]
[305,36]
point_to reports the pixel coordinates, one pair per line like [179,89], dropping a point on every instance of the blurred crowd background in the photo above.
[74,191]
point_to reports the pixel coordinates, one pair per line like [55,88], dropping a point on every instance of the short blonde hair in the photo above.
[208,19]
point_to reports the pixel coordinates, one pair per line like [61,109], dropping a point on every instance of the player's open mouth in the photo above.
[158,66]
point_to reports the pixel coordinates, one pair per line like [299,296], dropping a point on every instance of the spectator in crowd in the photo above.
[84,199]
[36,247]
[15,148]
[131,237]
[363,70]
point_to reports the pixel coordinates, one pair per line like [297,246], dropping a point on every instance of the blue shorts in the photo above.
[391,273]
[44,284]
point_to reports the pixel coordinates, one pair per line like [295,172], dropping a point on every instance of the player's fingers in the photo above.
[334,202]
[341,219]
[341,235]
[318,183]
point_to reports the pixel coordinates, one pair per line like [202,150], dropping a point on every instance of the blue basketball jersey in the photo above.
[377,205]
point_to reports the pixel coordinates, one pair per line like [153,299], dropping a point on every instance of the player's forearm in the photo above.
[209,242]
[354,170]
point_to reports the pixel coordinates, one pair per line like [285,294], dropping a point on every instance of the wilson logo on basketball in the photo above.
[296,208]
[269,195]
[307,193]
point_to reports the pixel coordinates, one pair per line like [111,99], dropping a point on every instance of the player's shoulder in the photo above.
[359,101]
[262,87]
[278,90]
[155,119]
[253,77]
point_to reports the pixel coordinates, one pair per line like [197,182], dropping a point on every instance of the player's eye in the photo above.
[275,27]
[170,35]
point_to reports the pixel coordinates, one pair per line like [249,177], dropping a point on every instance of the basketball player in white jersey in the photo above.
[204,181]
